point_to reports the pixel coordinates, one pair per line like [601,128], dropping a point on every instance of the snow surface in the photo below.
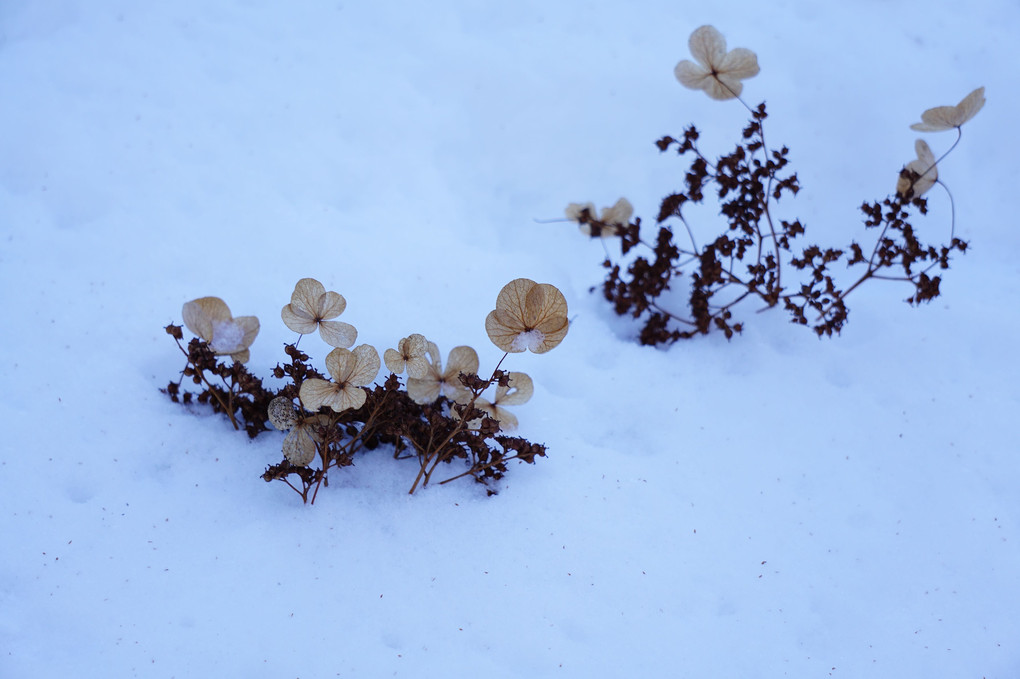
[774,506]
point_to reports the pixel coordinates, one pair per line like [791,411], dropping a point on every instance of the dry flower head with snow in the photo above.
[409,355]
[924,167]
[210,319]
[312,307]
[718,72]
[528,316]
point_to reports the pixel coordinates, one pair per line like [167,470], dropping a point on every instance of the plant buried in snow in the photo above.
[441,417]
[754,256]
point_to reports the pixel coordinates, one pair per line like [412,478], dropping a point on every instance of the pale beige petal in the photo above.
[316,393]
[708,46]
[331,305]
[200,314]
[545,308]
[434,358]
[250,327]
[282,414]
[423,391]
[298,320]
[936,119]
[351,397]
[739,63]
[363,366]
[241,356]
[520,390]
[336,363]
[511,299]
[394,361]
[462,359]
[692,75]
[417,366]
[338,333]
[553,338]
[924,166]
[299,447]
[305,297]
[619,213]
[501,334]
[971,104]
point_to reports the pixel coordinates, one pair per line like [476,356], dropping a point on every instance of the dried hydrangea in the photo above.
[409,355]
[528,316]
[436,381]
[311,308]
[943,118]
[519,390]
[923,166]
[299,447]
[210,319]
[615,218]
[282,413]
[350,371]
[718,72]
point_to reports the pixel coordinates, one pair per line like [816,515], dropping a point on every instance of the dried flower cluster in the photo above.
[754,256]
[439,418]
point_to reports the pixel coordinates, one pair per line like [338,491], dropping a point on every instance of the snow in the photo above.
[772,506]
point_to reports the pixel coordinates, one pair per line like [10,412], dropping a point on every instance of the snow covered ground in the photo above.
[774,506]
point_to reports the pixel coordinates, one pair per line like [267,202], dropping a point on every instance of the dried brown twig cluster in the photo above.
[440,417]
[754,255]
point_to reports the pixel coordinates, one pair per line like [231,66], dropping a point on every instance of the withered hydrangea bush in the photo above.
[449,418]
[756,255]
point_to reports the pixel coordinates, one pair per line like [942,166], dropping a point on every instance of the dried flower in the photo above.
[437,381]
[299,444]
[210,319]
[311,307]
[519,391]
[923,166]
[528,315]
[409,355]
[943,118]
[718,72]
[615,218]
[350,371]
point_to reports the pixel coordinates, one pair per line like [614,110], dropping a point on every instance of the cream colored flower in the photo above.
[299,444]
[943,118]
[311,307]
[409,355]
[437,381]
[528,315]
[924,167]
[210,319]
[519,391]
[718,72]
[350,371]
[615,218]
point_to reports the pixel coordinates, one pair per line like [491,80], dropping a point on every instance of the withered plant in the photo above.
[440,418]
[757,254]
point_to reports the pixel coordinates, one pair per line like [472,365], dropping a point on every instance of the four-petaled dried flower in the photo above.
[436,381]
[210,319]
[615,218]
[943,118]
[924,167]
[528,315]
[350,371]
[518,391]
[305,432]
[311,307]
[409,355]
[718,72]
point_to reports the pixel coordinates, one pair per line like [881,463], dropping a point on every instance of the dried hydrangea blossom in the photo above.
[210,319]
[943,118]
[350,371]
[528,316]
[299,447]
[924,167]
[615,218]
[519,391]
[718,72]
[436,381]
[311,307]
[409,355]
